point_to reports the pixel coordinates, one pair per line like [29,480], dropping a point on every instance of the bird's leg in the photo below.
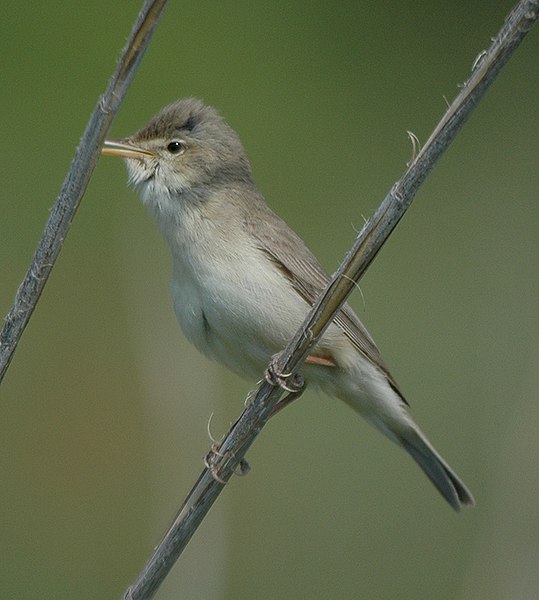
[294,384]
[284,402]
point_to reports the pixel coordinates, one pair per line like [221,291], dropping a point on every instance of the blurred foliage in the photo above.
[105,407]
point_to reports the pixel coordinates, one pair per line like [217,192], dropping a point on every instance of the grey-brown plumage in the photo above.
[243,281]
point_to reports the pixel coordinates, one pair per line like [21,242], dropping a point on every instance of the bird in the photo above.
[243,281]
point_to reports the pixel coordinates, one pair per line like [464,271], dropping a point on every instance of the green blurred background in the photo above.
[105,408]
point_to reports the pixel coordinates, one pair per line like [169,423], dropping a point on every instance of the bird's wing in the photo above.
[292,257]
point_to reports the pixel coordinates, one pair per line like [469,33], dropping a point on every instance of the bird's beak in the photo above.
[123,149]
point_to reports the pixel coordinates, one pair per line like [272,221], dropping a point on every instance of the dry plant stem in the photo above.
[75,182]
[223,461]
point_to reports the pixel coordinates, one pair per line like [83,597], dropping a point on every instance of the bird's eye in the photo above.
[175,147]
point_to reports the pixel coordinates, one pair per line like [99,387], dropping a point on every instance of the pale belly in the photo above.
[237,320]
[242,322]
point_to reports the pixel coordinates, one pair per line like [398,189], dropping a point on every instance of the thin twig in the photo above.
[223,461]
[75,182]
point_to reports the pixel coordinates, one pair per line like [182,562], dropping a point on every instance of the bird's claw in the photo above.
[290,382]
[215,461]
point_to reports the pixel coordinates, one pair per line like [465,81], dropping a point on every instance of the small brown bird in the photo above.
[243,281]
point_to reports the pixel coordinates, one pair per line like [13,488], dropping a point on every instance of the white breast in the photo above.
[231,302]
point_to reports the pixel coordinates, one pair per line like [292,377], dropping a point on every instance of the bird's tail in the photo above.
[436,469]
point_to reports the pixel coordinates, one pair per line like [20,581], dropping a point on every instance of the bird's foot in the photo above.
[215,461]
[290,382]
[293,383]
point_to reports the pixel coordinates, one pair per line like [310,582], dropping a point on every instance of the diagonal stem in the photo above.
[75,183]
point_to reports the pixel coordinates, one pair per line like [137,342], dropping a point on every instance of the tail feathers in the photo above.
[447,483]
